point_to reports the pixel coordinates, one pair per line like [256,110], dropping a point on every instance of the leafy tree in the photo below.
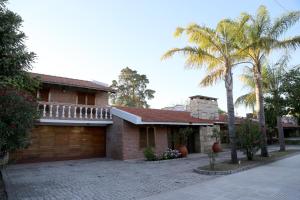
[216,50]
[261,36]
[17,113]
[17,108]
[249,137]
[131,89]
[291,91]
[274,101]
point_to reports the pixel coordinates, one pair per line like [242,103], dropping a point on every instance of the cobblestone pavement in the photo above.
[102,179]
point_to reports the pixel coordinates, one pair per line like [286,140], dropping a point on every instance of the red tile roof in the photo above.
[158,115]
[70,82]
[223,118]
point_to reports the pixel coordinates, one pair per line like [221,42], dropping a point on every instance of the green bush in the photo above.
[249,138]
[149,154]
[18,111]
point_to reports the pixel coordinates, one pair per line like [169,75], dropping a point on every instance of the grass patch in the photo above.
[258,160]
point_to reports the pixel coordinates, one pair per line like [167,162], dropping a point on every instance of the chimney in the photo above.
[203,107]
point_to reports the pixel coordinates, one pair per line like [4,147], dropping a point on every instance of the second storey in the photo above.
[72,91]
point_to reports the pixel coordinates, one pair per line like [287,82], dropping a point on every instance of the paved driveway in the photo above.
[277,181]
[101,179]
[105,179]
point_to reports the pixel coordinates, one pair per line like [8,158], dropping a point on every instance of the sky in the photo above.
[95,39]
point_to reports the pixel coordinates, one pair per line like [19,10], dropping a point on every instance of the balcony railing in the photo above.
[52,110]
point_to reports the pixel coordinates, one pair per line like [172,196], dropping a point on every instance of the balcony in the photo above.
[75,113]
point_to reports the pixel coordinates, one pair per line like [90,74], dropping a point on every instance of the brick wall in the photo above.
[101,98]
[122,141]
[131,149]
[70,96]
[114,137]
[63,96]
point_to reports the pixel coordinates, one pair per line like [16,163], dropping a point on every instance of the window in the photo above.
[147,137]
[85,98]
[44,94]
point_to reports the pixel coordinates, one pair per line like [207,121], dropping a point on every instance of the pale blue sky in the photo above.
[94,40]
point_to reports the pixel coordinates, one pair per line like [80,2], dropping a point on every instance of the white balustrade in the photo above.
[69,112]
[63,112]
[75,109]
[54,110]
[80,112]
[50,115]
[44,110]
[57,107]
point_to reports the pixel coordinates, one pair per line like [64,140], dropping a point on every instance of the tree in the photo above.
[291,91]
[216,50]
[274,101]
[260,37]
[17,108]
[249,136]
[249,99]
[131,89]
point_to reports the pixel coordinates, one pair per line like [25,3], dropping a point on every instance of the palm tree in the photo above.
[273,75]
[262,36]
[276,74]
[215,50]
[249,99]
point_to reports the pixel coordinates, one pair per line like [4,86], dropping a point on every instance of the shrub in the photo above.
[171,154]
[249,138]
[17,115]
[212,159]
[149,154]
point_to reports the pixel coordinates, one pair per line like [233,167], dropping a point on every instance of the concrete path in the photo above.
[277,181]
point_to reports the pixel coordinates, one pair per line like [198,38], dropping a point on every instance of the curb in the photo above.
[212,173]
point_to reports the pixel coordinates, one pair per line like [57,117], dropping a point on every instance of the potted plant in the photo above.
[216,147]
[183,135]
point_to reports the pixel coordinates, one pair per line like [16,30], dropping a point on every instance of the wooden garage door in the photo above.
[62,143]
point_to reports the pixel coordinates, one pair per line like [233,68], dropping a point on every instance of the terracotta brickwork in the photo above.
[114,139]
[63,96]
[131,138]
[69,95]
[101,98]
[123,140]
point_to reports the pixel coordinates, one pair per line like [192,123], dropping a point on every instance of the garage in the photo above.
[50,143]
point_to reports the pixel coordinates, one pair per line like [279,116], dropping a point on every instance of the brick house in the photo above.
[77,122]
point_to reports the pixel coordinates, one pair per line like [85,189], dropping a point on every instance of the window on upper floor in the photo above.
[147,137]
[44,94]
[85,98]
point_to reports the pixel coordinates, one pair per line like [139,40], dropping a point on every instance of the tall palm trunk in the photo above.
[260,111]
[230,110]
[280,134]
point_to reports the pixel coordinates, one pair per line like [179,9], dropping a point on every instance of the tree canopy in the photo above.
[17,103]
[131,89]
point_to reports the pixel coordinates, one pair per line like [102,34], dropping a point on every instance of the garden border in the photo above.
[227,172]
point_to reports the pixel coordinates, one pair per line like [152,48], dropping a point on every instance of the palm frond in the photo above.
[247,99]
[283,23]
[213,77]
[289,43]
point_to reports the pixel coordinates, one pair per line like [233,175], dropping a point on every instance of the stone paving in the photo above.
[103,179]
[276,181]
